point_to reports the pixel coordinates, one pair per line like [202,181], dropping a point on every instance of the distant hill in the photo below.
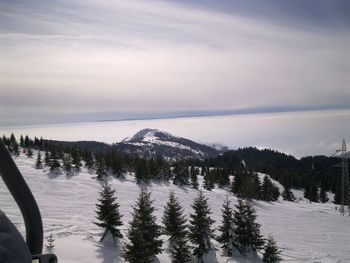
[149,143]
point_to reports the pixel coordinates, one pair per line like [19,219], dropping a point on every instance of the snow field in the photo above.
[304,232]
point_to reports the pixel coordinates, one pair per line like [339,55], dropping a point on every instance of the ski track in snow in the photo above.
[305,232]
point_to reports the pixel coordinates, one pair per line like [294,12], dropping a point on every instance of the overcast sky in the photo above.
[72,58]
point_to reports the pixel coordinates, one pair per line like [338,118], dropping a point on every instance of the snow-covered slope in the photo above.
[305,232]
[150,142]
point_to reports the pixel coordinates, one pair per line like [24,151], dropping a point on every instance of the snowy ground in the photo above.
[305,232]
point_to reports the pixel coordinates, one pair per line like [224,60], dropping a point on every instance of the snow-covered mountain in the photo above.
[152,142]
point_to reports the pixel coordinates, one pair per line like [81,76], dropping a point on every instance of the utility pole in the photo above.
[345,189]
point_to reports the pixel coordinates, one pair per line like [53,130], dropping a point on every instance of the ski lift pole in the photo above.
[25,200]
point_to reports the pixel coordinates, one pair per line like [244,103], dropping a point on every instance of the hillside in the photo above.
[305,232]
[150,143]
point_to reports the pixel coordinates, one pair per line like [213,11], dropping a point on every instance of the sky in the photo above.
[84,60]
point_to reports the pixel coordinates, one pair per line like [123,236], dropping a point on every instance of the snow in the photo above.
[305,232]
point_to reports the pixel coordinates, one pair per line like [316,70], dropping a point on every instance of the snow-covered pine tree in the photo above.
[271,253]
[247,231]
[54,163]
[200,223]
[143,234]
[108,213]
[288,194]
[76,159]
[38,163]
[226,238]
[67,164]
[323,195]
[100,168]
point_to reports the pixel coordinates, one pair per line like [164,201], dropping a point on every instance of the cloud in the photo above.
[163,56]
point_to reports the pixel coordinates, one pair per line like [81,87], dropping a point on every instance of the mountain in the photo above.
[152,142]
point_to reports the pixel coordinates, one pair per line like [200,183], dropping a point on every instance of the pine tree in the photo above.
[226,228]
[313,194]
[247,231]
[323,195]
[175,227]
[67,164]
[47,158]
[271,254]
[194,177]
[21,141]
[108,213]
[143,233]
[173,219]
[237,183]
[180,252]
[38,163]
[288,194]
[54,163]
[101,168]
[26,142]
[270,192]
[89,160]
[208,181]
[200,223]
[76,159]
[180,174]
[29,153]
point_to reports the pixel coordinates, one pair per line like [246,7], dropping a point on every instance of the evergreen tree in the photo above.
[101,168]
[337,195]
[270,192]
[288,194]
[21,141]
[194,177]
[226,228]
[173,219]
[237,183]
[143,233]
[67,164]
[76,159]
[247,231]
[180,252]
[108,213]
[313,194]
[180,174]
[47,158]
[323,195]
[272,253]
[208,181]
[89,160]
[26,142]
[223,177]
[29,153]
[175,227]
[142,171]
[38,163]
[200,232]
[54,163]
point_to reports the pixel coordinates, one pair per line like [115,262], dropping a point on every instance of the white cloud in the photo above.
[163,56]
